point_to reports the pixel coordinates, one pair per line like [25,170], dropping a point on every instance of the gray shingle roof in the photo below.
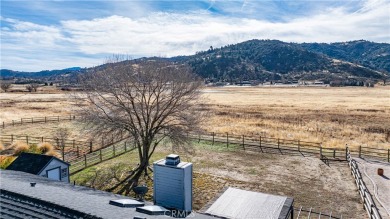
[64,195]
[14,205]
[31,163]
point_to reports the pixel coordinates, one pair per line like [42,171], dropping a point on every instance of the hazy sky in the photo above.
[43,34]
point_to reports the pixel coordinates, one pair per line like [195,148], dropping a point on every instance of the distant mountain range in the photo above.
[272,60]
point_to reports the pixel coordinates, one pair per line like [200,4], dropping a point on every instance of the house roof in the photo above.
[31,163]
[70,198]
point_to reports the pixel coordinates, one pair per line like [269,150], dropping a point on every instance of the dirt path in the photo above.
[369,168]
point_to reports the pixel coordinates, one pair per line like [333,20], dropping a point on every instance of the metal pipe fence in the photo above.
[368,201]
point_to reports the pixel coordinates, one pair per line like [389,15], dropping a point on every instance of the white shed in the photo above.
[42,165]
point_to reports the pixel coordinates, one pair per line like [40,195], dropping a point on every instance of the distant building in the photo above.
[41,165]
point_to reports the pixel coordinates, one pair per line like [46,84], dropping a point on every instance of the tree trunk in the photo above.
[131,181]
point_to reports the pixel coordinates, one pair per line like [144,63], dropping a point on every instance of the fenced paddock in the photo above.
[271,145]
[368,202]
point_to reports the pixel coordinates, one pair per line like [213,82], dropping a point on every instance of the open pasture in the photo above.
[332,116]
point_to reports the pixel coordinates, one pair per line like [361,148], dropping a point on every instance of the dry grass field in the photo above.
[333,116]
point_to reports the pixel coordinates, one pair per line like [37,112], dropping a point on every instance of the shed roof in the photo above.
[31,163]
[237,203]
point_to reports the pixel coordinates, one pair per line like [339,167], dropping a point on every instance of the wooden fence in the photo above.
[381,154]
[271,145]
[69,149]
[100,155]
[33,120]
[368,201]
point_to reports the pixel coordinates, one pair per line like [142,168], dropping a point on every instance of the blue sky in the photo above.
[44,34]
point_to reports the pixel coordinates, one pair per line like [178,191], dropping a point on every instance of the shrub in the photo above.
[5,161]
[45,147]
[34,149]
[20,147]
[54,153]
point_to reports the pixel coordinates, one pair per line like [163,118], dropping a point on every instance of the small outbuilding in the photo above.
[242,204]
[41,165]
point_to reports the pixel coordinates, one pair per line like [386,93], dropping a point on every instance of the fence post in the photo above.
[125,147]
[27,139]
[45,119]
[278,144]
[102,141]
[74,143]
[41,139]
[3,124]
[198,138]
[70,117]
[360,151]
[346,152]
[113,150]
[13,123]
[12,137]
[85,160]
[299,145]
[63,153]
[58,118]
[213,137]
[334,153]
[21,121]
[90,146]
[100,155]
[243,141]
[260,144]
[32,120]
[260,140]
[227,139]
[78,151]
[58,142]
[320,152]
[388,155]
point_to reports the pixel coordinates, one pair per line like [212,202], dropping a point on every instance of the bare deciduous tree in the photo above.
[32,87]
[148,100]
[5,86]
[61,135]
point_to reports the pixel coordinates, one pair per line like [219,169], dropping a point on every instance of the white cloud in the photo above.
[170,34]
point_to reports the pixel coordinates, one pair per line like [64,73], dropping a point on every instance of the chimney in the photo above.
[172,187]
